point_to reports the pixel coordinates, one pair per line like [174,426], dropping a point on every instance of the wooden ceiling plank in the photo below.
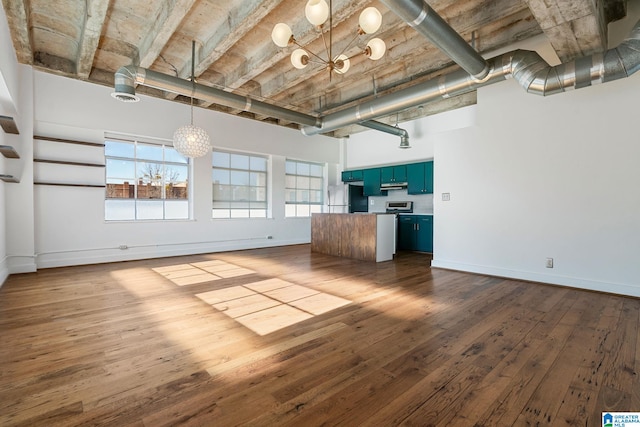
[18,19]
[169,19]
[94,21]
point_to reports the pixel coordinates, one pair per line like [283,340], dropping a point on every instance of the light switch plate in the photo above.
[446,197]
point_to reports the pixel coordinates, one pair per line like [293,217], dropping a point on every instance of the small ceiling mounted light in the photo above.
[189,140]
[317,12]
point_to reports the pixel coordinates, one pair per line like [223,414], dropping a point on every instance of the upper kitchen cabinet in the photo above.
[371,178]
[393,174]
[420,178]
[352,176]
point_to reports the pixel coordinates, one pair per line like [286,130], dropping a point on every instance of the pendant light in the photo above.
[189,140]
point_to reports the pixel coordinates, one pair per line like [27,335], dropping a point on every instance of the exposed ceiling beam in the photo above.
[171,15]
[240,21]
[18,20]
[563,21]
[95,16]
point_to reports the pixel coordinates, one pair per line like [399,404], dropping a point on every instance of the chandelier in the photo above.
[189,140]
[317,12]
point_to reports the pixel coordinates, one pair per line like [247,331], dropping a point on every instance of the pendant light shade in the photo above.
[191,141]
[344,63]
[376,48]
[370,20]
[299,58]
[317,12]
[281,34]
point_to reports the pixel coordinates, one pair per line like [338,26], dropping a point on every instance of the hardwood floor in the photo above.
[286,337]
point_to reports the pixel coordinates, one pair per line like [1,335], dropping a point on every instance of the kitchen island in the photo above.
[367,237]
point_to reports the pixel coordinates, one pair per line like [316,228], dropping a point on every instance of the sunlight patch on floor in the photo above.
[201,272]
[270,305]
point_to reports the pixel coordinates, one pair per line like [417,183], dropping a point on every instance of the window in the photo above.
[303,188]
[146,180]
[239,185]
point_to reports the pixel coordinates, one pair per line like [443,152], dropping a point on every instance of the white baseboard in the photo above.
[572,282]
[21,264]
[81,257]
[4,271]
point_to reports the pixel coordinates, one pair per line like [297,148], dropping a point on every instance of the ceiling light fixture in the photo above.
[189,140]
[317,12]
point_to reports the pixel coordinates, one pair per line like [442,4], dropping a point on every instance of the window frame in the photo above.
[173,158]
[304,208]
[255,204]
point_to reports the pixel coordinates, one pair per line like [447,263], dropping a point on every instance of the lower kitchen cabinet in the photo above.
[415,233]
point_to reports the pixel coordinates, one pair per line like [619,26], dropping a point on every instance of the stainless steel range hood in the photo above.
[394,186]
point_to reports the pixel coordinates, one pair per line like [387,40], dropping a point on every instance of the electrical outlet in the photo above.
[446,197]
[123,247]
[269,237]
[549,263]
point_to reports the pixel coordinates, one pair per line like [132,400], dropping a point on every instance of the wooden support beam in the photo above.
[94,20]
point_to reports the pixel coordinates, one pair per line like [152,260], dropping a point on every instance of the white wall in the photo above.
[534,177]
[544,177]
[69,222]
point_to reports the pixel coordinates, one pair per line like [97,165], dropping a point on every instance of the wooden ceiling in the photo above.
[90,40]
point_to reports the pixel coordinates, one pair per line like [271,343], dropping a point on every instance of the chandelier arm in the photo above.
[309,52]
[321,62]
[327,48]
[349,45]
[330,30]
[362,52]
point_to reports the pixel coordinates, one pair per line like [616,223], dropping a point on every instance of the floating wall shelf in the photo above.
[8,178]
[9,152]
[9,125]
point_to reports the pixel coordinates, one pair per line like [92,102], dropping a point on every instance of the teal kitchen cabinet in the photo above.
[371,178]
[415,233]
[420,178]
[393,174]
[352,176]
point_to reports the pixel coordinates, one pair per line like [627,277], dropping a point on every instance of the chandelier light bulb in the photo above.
[191,141]
[344,61]
[317,12]
[299,58]
[281,34]
[376,48]
[370,20]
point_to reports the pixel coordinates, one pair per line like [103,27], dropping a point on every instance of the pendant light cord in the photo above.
[193,78]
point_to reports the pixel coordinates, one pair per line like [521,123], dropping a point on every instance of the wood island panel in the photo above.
[346,235]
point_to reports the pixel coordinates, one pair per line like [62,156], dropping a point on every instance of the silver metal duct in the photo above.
[126,78]
[425,20]
[383,127]
[526,67]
